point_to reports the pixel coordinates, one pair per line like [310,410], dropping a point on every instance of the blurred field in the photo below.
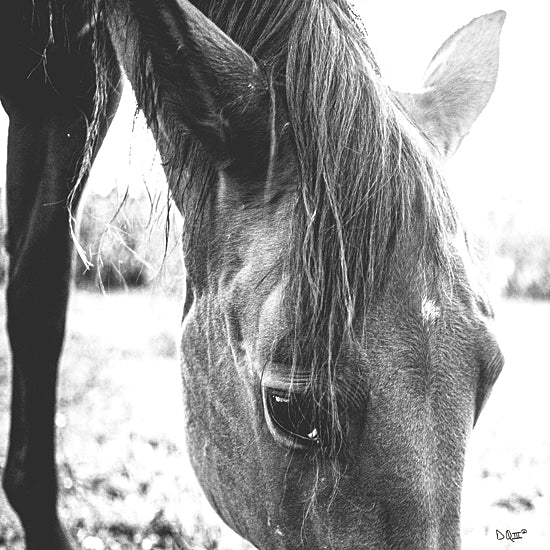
[126,483]
[124,475]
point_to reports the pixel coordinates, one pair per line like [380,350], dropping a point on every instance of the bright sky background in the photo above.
[500,167]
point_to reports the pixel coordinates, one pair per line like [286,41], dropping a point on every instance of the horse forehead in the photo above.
[403,333]
[422,333]
[397,318]
[412,321]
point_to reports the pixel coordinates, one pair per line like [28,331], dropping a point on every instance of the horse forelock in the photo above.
[367,185]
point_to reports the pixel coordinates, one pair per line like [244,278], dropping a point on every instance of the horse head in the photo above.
[337,347]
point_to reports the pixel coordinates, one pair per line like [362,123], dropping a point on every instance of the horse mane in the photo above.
[367,180]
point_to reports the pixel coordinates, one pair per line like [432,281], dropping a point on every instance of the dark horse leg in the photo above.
[47,88]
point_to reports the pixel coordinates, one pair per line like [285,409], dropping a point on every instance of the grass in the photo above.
[125,479]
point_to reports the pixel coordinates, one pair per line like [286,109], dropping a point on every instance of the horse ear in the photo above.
[458,84]
[193,78]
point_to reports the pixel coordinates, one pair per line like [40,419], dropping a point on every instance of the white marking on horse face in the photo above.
[430,312]
[278,532]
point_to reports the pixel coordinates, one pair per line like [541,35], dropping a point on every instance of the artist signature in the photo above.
[511,535]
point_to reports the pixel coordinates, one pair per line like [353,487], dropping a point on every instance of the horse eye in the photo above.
[293,413]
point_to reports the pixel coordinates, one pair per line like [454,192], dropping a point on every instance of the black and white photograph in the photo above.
[275,275]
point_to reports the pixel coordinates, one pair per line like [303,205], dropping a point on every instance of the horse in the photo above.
[337,345]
